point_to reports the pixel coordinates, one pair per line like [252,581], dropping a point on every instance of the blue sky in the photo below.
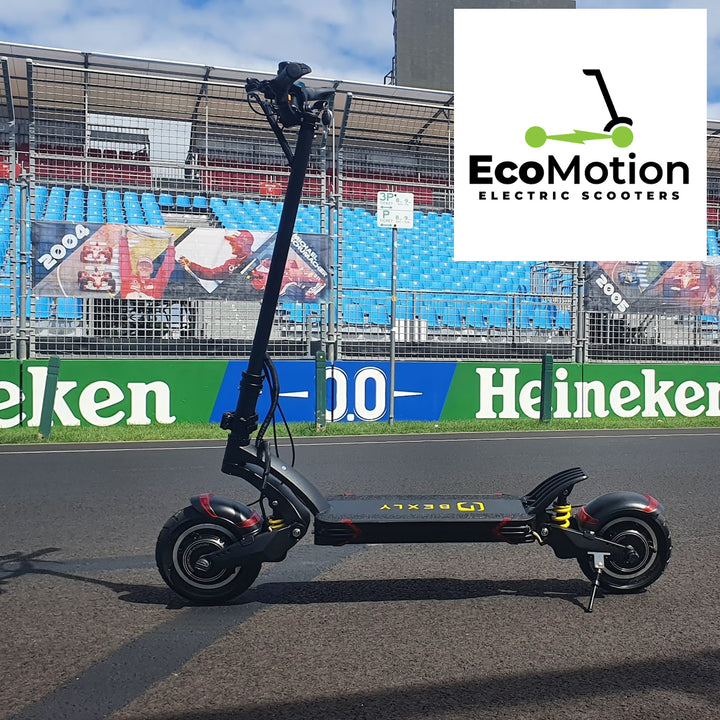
[340,39]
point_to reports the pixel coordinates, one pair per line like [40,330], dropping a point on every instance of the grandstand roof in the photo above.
[161,85]
[187,82]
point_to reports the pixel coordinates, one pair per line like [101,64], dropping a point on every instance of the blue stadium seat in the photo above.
[41,195]
[43,307]
[75,211]
[95,206]
[115,215]
[497,315]
[114,207]
[55,207]
[54,213]
[545,316]
[353,313]
[69,308]
[379,313]
[154,219]
[451,315]
[6,301]
[712,243]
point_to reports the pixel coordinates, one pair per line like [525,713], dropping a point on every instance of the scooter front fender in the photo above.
[236,513]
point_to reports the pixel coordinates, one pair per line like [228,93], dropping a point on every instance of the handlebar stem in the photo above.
[291,107]
[244,420]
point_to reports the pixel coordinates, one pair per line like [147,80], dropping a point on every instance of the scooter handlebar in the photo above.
[289,96]
[282,91]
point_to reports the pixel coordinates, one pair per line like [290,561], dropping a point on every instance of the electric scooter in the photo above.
[212,550]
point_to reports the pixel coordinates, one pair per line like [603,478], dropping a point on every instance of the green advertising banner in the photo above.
[512,391]
[647,391]
[143,392]
[10,392]
[111,392]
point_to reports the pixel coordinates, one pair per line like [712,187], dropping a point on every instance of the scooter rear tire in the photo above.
[187,536]
[649,535]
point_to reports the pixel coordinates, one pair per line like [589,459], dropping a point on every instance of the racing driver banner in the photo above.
[653,286]
[144,262]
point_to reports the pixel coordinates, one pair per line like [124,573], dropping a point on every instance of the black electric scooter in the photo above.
[212,550]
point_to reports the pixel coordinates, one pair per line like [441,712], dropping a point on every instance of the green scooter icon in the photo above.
[618,129]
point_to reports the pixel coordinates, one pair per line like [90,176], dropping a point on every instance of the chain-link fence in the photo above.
[172,155]
[8,266]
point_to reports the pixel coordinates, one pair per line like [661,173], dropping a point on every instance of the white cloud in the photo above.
[713,29]
[351,39]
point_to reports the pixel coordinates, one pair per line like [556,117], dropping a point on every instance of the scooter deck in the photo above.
[423,519]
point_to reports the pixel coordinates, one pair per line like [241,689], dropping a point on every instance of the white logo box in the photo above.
[603,198]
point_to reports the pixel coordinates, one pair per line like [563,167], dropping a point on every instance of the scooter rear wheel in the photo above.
[184,539]
[649,538]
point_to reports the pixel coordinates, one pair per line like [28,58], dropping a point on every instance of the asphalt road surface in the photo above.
[88,630]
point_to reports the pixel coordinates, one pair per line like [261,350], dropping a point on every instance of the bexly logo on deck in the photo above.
[628,178]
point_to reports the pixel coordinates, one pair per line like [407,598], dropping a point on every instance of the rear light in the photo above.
[653,504]
[584,518]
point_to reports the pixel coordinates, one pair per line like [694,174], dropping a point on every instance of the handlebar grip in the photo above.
[293,70]
[288,73]
[289,110]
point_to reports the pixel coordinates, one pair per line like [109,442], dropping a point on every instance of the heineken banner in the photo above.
[143,262]
[673,287]
[143,392]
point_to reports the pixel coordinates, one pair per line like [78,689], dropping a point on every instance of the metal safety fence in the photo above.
[173,155]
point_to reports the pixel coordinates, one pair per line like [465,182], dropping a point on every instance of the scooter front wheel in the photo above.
[647,538]
[185,538]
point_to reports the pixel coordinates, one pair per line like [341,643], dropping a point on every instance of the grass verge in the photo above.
[208,431]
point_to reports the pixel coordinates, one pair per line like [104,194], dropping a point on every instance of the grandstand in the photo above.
[102,139]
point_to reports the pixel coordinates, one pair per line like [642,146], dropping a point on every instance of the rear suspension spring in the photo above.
[560,515]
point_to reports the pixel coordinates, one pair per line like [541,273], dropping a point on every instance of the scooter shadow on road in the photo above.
[18,564]
[414,589]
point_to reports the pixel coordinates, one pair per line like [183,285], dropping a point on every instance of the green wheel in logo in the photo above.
[535,137]
[622,136]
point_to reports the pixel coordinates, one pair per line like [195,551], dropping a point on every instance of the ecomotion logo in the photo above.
[619,176]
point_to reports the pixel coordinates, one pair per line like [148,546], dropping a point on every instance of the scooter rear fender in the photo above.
[593,515]
[569,542]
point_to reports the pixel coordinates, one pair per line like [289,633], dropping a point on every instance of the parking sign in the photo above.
[395,209]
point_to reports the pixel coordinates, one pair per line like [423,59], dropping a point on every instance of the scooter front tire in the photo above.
[648,535]
[184,539]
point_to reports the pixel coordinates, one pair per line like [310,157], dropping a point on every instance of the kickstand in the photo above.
[599,564]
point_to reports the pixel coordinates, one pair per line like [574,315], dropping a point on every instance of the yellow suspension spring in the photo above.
[276,523]
[561,515]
